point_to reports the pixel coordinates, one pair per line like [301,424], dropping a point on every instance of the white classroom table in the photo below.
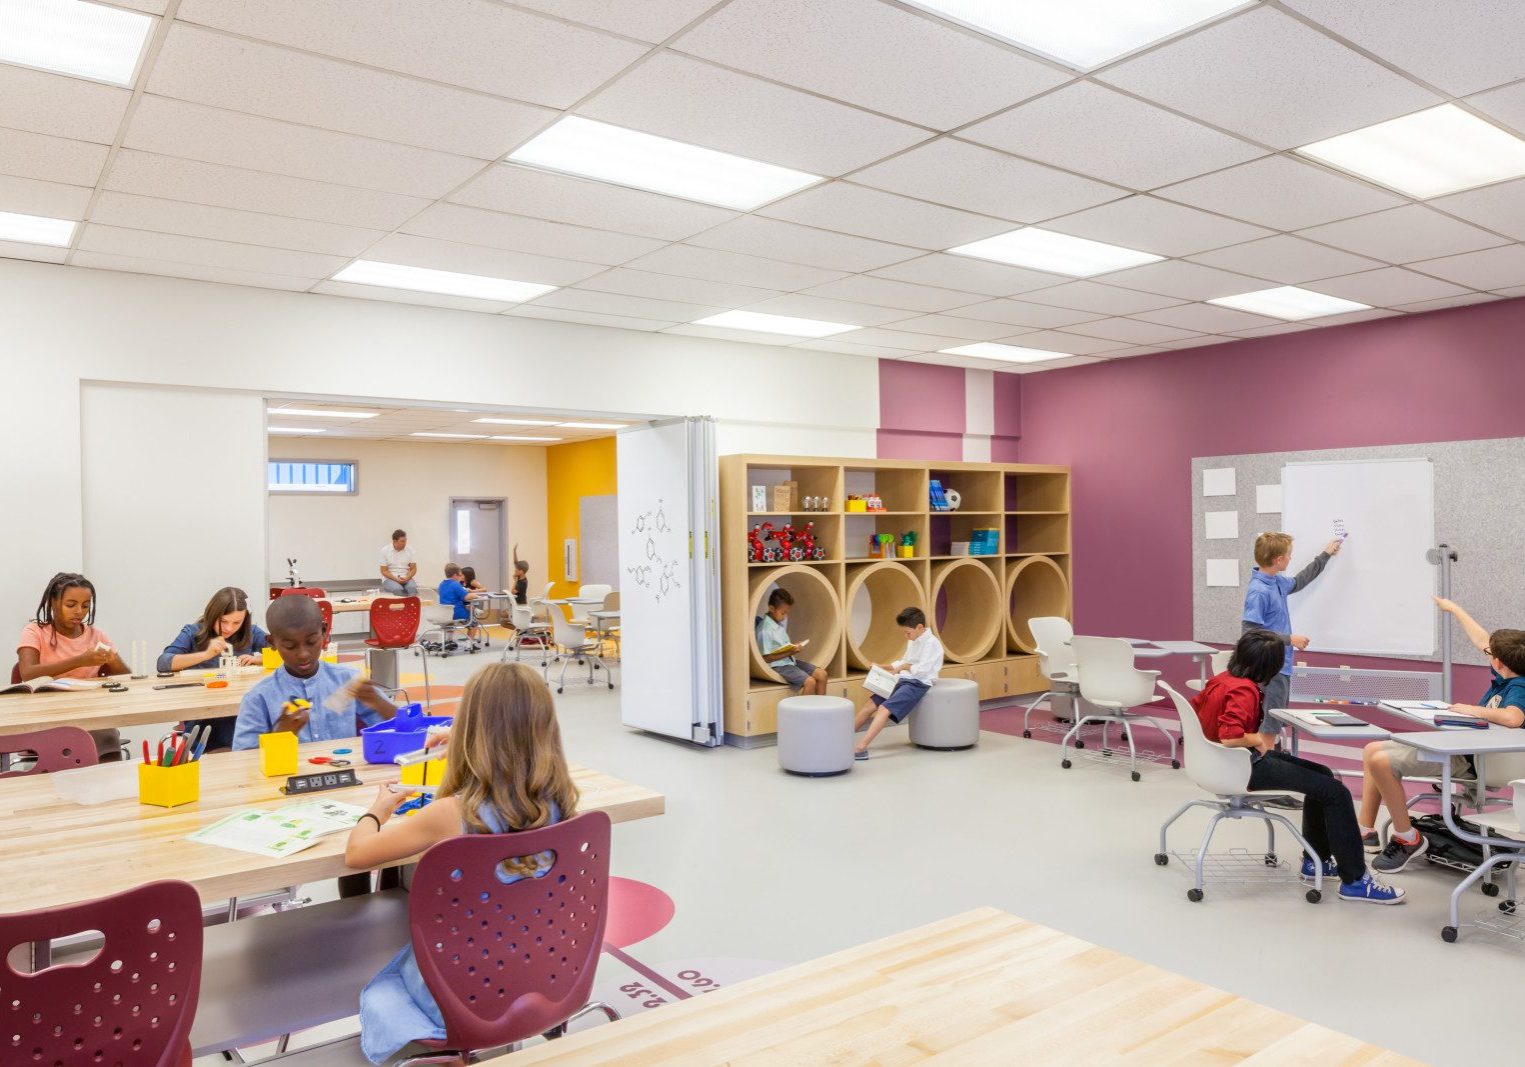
[1442,744]
[1301,721]
[1203,654]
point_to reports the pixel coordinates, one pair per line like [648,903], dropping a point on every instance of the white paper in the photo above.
[1222,572]
[1222,525]
[1268,499]
[1218,481]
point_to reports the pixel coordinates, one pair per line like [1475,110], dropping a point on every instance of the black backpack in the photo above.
[1446,849]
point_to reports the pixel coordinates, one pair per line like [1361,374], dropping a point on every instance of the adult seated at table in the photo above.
[398,567]
[225,626]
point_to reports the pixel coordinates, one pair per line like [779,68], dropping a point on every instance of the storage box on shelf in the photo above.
[979,604]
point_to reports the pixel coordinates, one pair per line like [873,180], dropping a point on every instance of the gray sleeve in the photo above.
[1245,626]
[1311,571]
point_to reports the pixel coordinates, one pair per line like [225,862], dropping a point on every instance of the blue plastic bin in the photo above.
[385,741]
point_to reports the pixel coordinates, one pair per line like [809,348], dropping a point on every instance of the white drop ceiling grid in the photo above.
[391,422]
[271,142]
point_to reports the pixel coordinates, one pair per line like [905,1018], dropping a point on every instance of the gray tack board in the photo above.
[598,550]
[1479,512]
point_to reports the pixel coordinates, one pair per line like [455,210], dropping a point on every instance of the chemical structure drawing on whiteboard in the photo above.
[660,571]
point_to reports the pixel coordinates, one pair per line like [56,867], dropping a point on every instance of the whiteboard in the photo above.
[1374,597]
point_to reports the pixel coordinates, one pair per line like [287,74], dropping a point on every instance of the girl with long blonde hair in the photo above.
[504,771]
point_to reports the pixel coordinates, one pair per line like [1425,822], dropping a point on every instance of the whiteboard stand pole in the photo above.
[1443,555]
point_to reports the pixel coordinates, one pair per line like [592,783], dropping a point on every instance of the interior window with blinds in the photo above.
[312,476]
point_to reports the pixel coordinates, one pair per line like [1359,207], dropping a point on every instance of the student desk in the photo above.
[1301,721]
[983,987]
[98,709]
[59,852]
[1440,745]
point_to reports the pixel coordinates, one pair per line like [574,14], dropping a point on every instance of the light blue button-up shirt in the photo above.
[261,707]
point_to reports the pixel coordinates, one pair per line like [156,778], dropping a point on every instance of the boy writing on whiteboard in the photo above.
[1387,763]
[1265,605]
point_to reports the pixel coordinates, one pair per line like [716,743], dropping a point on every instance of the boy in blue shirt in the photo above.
[1265,606]
[1387,763]
[454,594]
[296,632]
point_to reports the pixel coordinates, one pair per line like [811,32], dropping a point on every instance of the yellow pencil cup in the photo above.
[277,753]
[169,787]
[857,505]
[429,772]
[905,551]
[269,658]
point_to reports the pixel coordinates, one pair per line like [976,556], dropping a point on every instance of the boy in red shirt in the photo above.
[1229,708]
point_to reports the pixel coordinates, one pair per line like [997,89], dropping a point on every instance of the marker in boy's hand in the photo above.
[1333,547]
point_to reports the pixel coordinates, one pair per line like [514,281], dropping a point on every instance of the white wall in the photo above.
[407,486]
[65,325]
[173,506]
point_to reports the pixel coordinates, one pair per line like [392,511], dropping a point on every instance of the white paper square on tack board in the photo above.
[1268,499]
[1222,572]
[1222,525]
[1218,481]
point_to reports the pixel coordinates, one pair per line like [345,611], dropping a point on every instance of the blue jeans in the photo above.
[392,587]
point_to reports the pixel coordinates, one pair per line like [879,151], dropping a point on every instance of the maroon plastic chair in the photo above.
[394,621]
[508,962]
[58,748]
[132,1004]
[303,590]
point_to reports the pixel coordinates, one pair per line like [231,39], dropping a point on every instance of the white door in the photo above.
[669,580]
[478,533]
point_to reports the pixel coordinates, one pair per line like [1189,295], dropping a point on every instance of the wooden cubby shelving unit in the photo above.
[978,604]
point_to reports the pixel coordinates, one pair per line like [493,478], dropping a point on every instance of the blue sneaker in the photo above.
[1331,870]
[860,755]
[1370,891]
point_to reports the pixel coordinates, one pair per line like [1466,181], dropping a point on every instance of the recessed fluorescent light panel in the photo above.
[591,425]
[448,283]
[1006,353]
[785,324]
[1056,252]
[315,413]
[614,154]
[1289,302]
[517,422]
[294,429]
[1430,153]
[74,38]
[1079,33]
[453,436]
[35,229]
[513,437]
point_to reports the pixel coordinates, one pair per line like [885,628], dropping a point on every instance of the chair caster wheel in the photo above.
[1194,895]
[1507,907]
[1314,896]
[1079,743]
[1027,733]
[1136,776]
[1065,764]
[1161,859]
[1490,889]
[1271,860]
[1175,764]
[1448,934]
[560,689]
[611,685]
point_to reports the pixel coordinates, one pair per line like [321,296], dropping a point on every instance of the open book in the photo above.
[880,682]
[45,684]
[790,649]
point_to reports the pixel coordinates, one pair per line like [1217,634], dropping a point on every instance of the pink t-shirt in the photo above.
[53,647]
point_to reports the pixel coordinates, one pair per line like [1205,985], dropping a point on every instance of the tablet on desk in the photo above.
[1337,718]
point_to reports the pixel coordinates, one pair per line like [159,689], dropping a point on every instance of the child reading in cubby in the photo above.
[778,651]
[915,672]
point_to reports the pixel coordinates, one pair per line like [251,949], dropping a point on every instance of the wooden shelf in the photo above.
[1026,503]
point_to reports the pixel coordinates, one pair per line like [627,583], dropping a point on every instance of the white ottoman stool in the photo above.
[948,716]
[815,735]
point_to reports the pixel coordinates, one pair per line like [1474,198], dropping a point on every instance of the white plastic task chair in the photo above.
[1056,662]
[576,644]
[1219,665]
[1111,687]
[1225,773]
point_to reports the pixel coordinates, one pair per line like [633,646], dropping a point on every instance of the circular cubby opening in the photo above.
[966,609]
[1035,588]
[816,615]
[875,595]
